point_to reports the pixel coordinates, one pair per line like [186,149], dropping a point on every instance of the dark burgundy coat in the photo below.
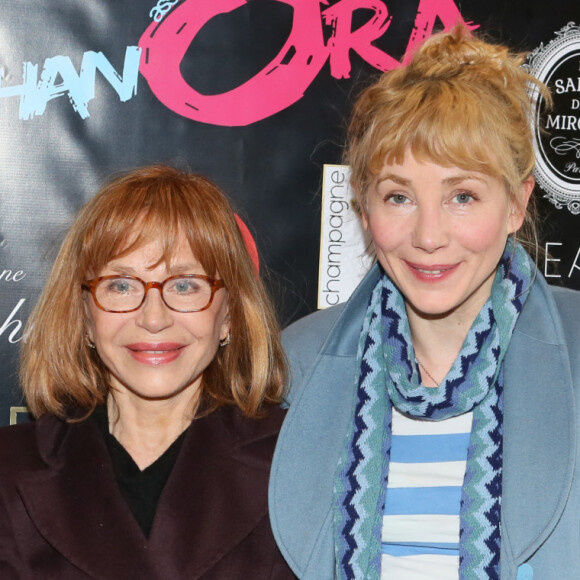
[62,515]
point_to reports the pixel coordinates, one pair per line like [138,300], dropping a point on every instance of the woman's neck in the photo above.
[437,341]
[146,428]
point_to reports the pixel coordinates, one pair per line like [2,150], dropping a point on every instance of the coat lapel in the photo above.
[223,468]
[539,429]
[302,485]
[215,496]
[76,505]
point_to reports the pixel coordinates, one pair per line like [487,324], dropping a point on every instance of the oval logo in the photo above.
[557,138]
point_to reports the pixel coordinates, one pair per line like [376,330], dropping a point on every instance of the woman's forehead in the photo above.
[467,161]
[149,253]
[150,244]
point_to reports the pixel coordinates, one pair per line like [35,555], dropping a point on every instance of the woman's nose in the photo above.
[430,230]
[154,315]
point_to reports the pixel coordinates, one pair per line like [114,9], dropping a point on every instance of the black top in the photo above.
[141,489]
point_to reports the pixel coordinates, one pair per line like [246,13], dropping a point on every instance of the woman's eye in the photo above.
[182,287]
[397,198]
[185,286]
[463,197]
[119,286]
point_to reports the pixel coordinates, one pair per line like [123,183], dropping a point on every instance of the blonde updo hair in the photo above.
[461,102]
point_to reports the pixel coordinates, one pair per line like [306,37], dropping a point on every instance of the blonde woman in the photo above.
[434,412]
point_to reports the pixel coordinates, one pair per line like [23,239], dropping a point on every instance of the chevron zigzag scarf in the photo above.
[389,376]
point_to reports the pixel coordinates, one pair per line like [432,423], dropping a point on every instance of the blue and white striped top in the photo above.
[420,535]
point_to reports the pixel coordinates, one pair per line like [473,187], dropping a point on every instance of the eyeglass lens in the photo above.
[123,294]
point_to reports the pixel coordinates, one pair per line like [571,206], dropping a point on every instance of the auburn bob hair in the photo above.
[61,373]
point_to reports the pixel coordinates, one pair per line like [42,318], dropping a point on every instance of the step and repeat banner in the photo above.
[255,94]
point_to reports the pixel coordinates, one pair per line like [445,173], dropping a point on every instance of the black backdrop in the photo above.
[272,66]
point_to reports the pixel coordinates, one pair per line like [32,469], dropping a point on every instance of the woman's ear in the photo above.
[520,204]
[361,209]
[364,220]
[226,325]
[89,327]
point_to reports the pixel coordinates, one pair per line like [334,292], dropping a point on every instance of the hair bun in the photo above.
[445,56]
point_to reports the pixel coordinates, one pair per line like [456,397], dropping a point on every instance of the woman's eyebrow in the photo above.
[180,268]
[455,179]
[185,267]
[394,178]
[451,180]
[121,269]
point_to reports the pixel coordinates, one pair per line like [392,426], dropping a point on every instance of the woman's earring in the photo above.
[225,341]
[89,342]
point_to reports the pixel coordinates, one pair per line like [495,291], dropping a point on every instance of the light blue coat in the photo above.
[540,524]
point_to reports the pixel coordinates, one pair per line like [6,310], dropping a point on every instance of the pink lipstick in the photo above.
[432,272]
[155,354]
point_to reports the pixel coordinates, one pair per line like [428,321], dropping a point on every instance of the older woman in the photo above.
[433,432]
[153,363]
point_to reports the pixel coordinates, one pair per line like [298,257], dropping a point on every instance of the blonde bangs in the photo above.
[446,125]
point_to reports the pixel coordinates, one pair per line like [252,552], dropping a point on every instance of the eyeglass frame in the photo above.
[91,286]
